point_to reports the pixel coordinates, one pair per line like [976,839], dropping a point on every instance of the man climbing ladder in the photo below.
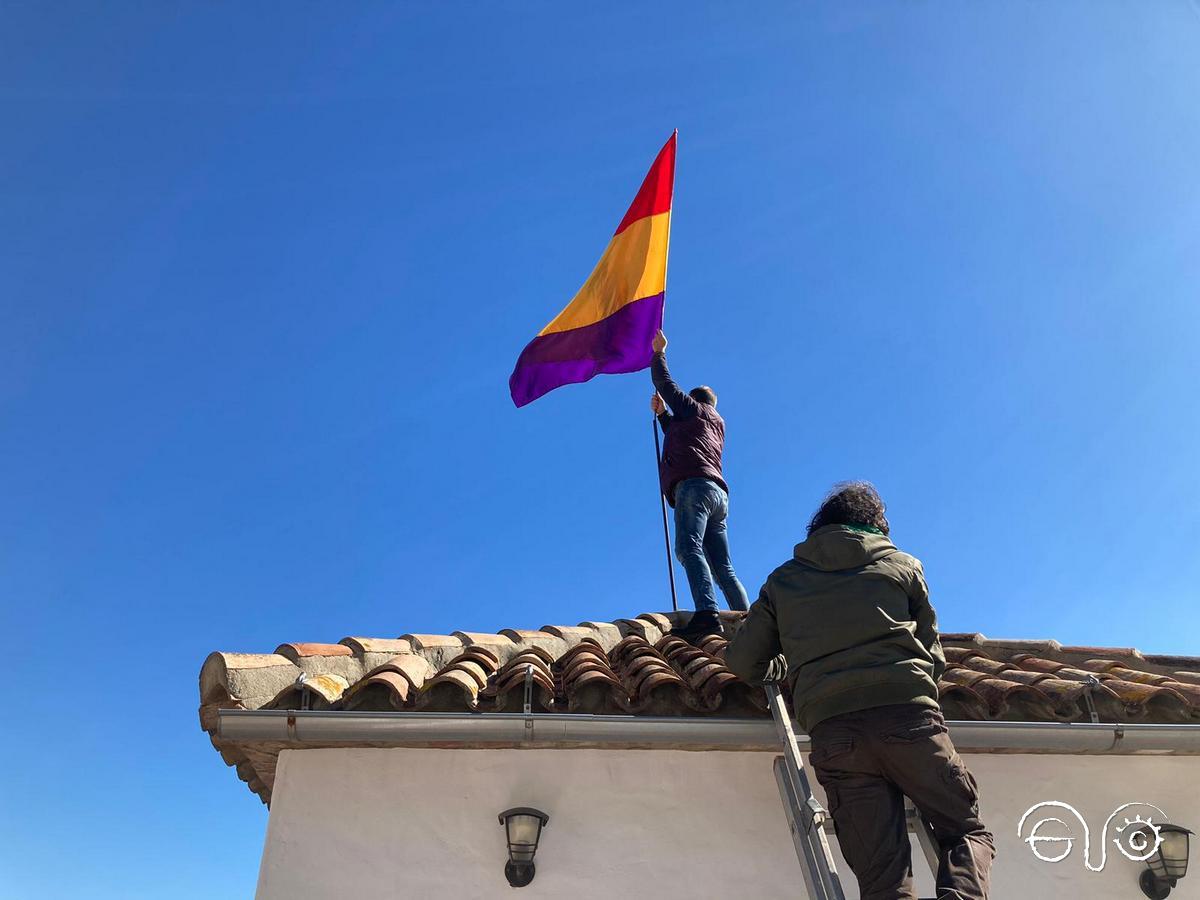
[850,615]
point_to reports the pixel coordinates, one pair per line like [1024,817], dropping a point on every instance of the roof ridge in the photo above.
[1168,663]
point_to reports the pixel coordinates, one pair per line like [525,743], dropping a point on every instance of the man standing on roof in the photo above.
[690,477]
[850,614]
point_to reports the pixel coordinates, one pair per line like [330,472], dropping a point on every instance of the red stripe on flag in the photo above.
[654,196]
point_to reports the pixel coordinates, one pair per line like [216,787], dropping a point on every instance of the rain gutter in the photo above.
[534,730]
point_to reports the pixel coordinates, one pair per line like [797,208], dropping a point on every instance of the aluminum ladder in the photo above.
[808,820]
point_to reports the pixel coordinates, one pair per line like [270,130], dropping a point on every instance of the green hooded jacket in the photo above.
[851,615]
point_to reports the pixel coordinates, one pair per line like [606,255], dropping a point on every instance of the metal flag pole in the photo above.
[654,420]
[663,500]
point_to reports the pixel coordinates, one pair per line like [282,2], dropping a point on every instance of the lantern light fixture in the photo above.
[1168,864]
[523,828]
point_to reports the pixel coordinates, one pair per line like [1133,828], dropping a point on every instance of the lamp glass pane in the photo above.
[523,832]
[1157,866]
[1174,853]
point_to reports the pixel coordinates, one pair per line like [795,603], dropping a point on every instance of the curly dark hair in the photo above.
[851,503]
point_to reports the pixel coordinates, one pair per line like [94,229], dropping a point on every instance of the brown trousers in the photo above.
[868,761]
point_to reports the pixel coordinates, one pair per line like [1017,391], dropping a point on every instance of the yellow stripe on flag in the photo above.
[634,265]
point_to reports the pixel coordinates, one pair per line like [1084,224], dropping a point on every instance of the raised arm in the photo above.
[681,404]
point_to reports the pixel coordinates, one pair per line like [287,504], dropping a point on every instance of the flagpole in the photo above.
[666,534]
[654,421]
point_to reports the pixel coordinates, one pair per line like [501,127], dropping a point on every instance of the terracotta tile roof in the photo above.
[1045,681]
[632,666]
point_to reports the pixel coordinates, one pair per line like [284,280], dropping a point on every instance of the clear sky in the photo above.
[265,269]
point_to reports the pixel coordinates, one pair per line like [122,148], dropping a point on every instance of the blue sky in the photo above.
[266,269]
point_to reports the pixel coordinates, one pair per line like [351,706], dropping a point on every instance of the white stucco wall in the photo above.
[649,823]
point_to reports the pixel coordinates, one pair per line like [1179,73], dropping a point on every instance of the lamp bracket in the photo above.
[1154,888]
[519,876]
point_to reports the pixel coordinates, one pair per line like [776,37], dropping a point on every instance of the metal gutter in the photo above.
[399,729]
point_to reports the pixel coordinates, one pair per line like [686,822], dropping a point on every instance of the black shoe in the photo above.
[702,623]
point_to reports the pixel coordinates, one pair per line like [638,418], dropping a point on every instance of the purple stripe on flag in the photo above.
[620,343]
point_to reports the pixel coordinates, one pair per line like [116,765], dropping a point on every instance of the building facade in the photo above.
[386,763]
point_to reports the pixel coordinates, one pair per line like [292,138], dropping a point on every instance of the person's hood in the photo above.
[837,547]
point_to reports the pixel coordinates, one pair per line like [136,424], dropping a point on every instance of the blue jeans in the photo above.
[702,544]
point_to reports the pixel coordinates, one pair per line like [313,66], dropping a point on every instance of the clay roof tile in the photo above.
[390,646]
[297,651]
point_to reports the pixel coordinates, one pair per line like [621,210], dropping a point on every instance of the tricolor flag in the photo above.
[608,327]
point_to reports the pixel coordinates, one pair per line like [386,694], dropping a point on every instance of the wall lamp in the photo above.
[523,827]
[1168,864]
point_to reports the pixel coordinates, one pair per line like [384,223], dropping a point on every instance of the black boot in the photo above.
[703,622]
